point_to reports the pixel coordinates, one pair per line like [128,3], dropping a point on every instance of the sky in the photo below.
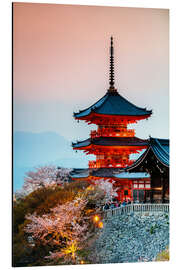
[61,65]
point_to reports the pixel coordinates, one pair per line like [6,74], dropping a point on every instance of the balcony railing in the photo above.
[140,208]
[105,164]
[112,133]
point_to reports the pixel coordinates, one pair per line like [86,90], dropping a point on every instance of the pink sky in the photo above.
[61,64]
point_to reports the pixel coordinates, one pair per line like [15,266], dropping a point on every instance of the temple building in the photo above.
[155,162]
[113,142]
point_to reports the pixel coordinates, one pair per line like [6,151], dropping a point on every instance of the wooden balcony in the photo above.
[112,133]
[104,164]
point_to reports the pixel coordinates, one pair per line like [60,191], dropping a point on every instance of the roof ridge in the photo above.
[133,103]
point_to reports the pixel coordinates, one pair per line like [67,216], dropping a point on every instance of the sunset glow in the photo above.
[61,64]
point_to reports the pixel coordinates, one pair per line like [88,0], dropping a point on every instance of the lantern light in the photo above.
[100,225]
[96,218]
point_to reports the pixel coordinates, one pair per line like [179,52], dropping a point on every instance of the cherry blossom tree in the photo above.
[107,186]
[68,226]
[65,228]
[44,176]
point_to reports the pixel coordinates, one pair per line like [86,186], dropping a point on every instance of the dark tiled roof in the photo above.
[100,172]
[105,172]
[79,173]
[112,141]
[114,104]
[108,173]
[160,148]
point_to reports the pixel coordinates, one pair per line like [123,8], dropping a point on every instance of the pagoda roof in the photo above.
[112,103]
[159,147]
[79,173]
[108,173]
[117,173]
[98,172]
[111,141]
[105,172]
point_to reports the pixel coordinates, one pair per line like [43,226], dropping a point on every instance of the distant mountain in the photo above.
[35,149]
[31,150]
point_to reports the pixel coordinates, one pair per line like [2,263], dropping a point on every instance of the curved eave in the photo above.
[93,147]
[90,109]
[79,174]
[93,114]
[81,144]
[112,143]
[138,161]
[113,105]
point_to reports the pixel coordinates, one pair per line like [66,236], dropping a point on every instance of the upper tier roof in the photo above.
[112,103]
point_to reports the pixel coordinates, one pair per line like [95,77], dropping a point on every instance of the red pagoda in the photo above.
[112,142]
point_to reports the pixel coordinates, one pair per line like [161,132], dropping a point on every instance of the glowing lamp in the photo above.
[100,225]
[96,218]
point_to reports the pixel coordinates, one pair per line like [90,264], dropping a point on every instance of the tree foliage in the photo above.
[108,188]
[51,223]
[39,201]
[65,229]
[44,176]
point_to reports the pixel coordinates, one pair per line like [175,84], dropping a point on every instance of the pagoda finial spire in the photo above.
[111,71]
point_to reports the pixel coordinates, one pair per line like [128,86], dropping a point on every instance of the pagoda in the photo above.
[112,142]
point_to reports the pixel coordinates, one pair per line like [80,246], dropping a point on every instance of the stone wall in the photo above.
[132,237]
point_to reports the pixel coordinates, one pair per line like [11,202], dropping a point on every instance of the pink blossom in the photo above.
[44,176]
[108,188]
[65,226]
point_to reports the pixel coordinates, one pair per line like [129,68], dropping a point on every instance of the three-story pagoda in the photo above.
[112,142]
